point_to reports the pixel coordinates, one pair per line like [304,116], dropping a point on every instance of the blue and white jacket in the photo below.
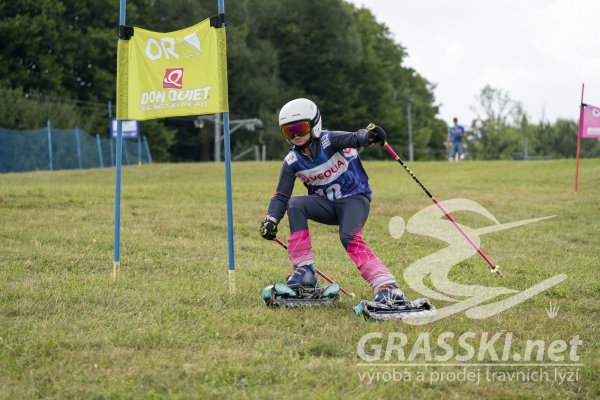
[333,170]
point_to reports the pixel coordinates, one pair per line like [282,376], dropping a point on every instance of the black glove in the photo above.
[268,229]
[376,134]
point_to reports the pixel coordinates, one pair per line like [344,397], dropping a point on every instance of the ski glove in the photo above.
[376,134]
[268,229]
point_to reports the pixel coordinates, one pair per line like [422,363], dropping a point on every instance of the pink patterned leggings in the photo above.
[350,213]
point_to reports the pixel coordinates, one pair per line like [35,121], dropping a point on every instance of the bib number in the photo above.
[333,192]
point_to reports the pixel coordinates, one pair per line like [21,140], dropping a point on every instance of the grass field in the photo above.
[166,328]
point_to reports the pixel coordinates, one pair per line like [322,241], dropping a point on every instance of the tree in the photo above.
[330,51]
[558,140]
[501,126]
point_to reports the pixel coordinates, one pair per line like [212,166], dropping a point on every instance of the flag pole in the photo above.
[116,259]
[227,145]
[579,139]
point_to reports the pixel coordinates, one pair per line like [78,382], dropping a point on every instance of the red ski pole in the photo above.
[328,279]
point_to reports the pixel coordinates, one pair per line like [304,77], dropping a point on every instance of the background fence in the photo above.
[52,149]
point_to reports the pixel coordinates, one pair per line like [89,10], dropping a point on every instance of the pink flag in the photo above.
[590,122]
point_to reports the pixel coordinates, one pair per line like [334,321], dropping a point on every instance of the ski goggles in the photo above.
[293,129]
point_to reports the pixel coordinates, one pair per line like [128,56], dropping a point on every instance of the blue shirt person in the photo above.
[455,142]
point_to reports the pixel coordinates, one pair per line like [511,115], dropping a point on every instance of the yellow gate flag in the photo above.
[172,74]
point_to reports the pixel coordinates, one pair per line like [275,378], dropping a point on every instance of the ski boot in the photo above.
[390,303]
[388,293]
[303,277]
[301,290]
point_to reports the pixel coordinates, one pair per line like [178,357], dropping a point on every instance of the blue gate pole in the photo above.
[116,259]
[50,166]
[227,145]
[118,198]
[147,150]
[99,150]
[78,146]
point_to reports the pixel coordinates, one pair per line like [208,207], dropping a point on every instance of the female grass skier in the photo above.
[327,163]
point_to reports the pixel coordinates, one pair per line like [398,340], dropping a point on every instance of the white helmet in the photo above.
[301,110]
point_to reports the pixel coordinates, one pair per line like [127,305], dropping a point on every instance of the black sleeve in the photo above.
[355,140]
[279,202]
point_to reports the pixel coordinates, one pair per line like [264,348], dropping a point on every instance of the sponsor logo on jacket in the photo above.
[350,154]
[291,158]
[326,172]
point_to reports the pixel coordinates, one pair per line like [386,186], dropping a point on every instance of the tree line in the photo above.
[58,60]
[502,130]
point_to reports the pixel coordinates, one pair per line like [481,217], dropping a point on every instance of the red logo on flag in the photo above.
[173,78]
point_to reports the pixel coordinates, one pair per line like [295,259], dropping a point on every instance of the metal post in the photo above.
[50,164]
[112,152]
[139,146]
[147,150]
[99,150]
[410,142]
[264,152]
[110,136]
[218,137]
[125,152]
[256,153]
[525,152]
[78,142]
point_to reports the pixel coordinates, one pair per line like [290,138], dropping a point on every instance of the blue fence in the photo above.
[52,149]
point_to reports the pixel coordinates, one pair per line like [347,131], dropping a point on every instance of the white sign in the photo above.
[129,129]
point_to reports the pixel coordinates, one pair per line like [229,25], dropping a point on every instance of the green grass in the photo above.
[166,328]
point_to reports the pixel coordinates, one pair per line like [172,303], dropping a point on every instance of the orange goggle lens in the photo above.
[300,128]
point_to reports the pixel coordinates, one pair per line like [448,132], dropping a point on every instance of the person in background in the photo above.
[455,142]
